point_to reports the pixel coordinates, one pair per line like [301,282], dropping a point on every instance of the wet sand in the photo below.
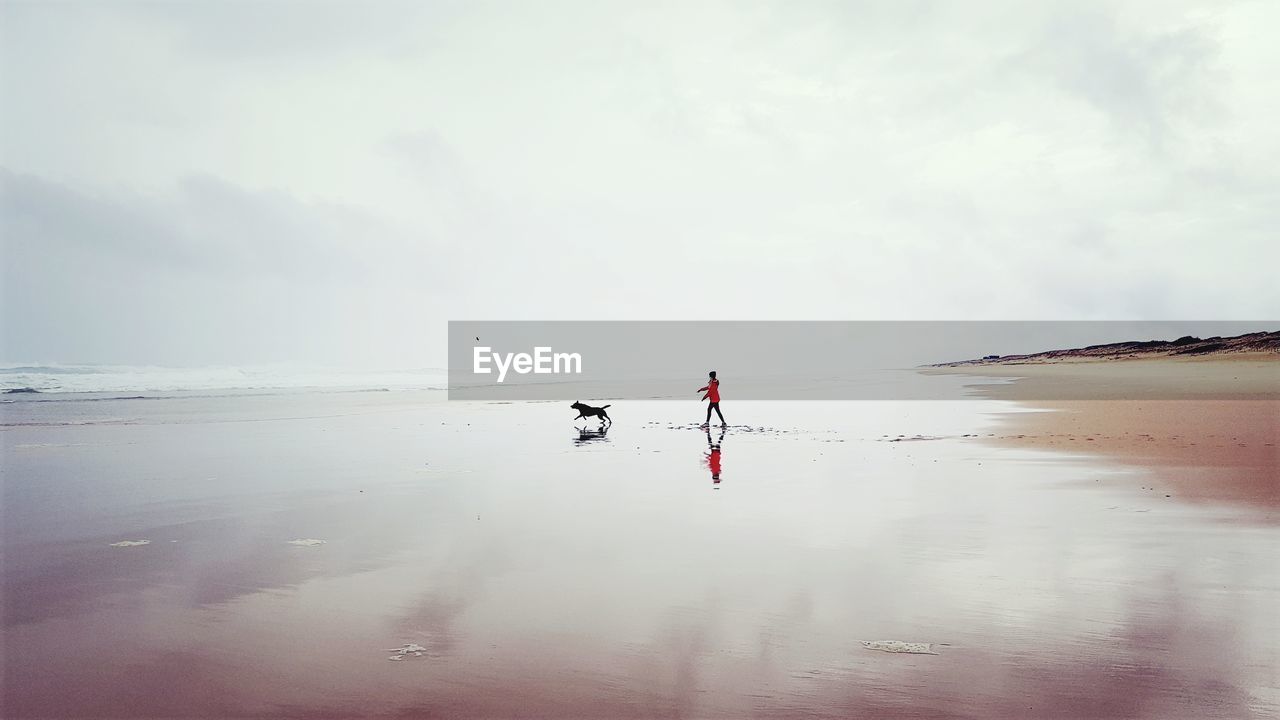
[552,572]
[1208,429]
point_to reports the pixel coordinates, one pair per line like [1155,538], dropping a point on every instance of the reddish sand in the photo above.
[1209,428]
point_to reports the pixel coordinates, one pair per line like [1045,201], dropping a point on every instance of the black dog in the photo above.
[586,411]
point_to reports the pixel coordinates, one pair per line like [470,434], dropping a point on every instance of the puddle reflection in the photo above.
[588,435]
[712,456]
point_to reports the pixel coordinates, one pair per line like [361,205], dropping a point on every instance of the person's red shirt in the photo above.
[713,391]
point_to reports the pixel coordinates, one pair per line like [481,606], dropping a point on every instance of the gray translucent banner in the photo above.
[595,361]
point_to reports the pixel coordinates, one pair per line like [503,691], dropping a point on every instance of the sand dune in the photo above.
[1259,345]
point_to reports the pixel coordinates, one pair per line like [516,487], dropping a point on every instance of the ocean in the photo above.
[45,379]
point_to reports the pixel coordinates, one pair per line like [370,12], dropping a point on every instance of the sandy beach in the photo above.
[350,359]
[1207,428]
[390,554]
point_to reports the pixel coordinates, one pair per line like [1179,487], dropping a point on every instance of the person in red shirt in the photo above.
[713,394]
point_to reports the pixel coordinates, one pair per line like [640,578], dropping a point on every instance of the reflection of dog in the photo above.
[586,411]
[587,435]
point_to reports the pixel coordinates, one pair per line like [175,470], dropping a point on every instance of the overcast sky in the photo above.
[251,182]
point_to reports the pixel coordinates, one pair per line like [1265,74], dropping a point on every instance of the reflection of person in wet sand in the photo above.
[713,457]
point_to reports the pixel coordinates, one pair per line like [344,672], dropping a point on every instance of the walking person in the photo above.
[712,391]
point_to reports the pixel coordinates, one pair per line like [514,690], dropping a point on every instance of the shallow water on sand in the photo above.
[553,571]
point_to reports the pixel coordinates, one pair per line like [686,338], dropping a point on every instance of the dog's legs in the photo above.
[580,416]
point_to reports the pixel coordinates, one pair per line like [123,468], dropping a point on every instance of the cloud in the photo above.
[253,33]
[204,225]
[578,160]
[1147,81]
[206,272]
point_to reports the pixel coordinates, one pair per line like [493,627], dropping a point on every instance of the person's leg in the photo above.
[709,406]
[720,414]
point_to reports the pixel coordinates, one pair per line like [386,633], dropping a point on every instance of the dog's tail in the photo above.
[606,406]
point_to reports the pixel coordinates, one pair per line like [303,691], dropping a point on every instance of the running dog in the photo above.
[586,411]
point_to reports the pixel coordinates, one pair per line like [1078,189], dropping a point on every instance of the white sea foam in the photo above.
[406,650]
[130,543]
[898,646]
[306,542]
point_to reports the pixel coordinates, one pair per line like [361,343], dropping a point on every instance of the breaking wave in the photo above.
[29,383]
